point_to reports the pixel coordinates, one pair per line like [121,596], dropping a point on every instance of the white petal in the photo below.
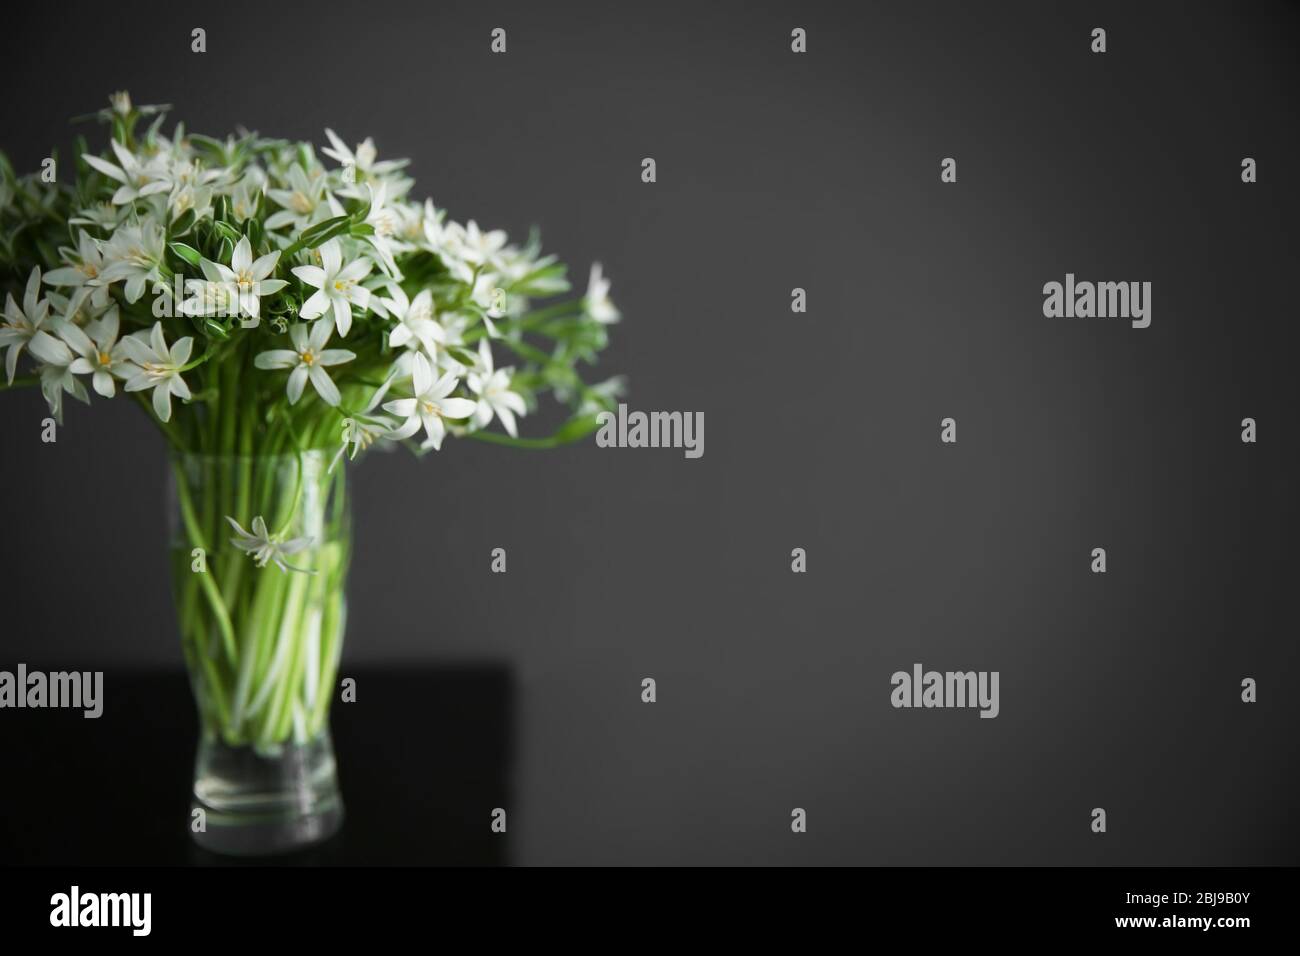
[107,168]
[181,349]
[157,342]
[320,334]
[314,276]
[421,375]
[331,257]
[315,306]
[507,419]
[243,257]
[162,402]
[276,358]
[435,429]
[324,385]
[335,356]
[297,381]
[457,407]
[444,386]
[342,316]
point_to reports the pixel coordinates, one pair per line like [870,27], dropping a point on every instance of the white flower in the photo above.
[101,356]
[210,298]
[436,232]
[480,248]
[185,172]
[187,197]
[138,180]
[363,429]
[243,197]
[119,104]
[416,327]
[411,226]
[493,391]
[362,162]
[491,298]
[266,547]
[308,359]
[134,254]
[157,367]
[21,324]
[301,202]
[81,273]
[597,301]
[337,286]
[57,374]
[385,221]
[104,215]
[244,282]
[430,405]
[516,265]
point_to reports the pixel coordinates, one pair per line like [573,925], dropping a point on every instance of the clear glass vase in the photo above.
[261,611]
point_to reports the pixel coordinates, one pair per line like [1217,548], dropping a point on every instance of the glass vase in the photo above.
[261,612]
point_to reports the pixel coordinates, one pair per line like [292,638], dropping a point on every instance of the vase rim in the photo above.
[202,456]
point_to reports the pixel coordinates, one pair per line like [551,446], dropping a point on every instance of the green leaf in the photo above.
[215,330]
[184,223]
[323,232]
[188,253]
[462,356]
[48,253]
[576,428]
[229,232]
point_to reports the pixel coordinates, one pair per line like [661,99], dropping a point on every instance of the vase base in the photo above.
[245,836]
[259,802]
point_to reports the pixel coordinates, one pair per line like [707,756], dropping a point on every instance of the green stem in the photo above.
[205,577]
[22,381]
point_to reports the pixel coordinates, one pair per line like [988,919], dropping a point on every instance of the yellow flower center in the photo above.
[105,358]
[308,357]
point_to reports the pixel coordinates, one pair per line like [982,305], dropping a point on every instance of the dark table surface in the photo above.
[424,755]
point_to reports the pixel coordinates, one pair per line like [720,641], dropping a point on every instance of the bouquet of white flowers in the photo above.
[271,311]
[254,251]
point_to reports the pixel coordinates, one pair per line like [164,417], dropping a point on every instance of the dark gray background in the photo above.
[1118,690]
